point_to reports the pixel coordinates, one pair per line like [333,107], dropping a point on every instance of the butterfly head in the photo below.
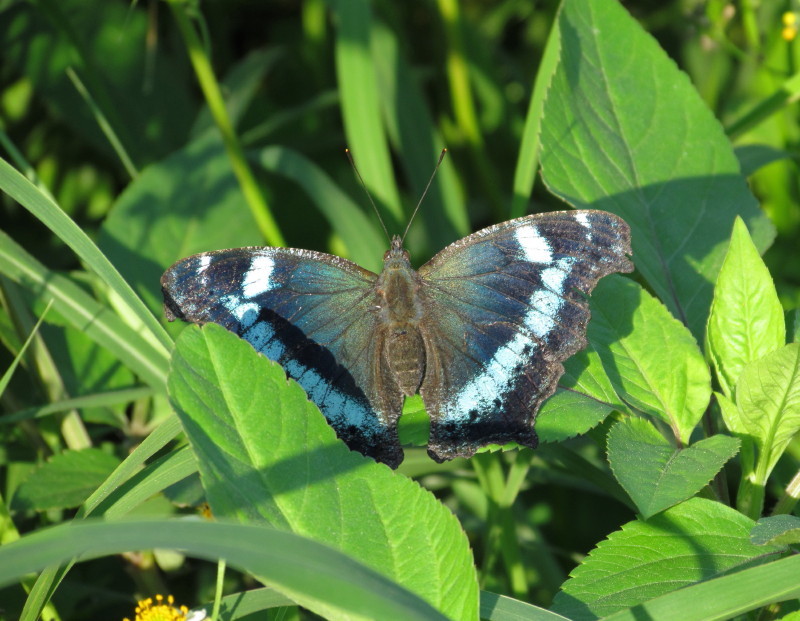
[397,256]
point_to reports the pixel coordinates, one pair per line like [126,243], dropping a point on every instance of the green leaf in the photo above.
[730,414]
[777,530]
[266,454]
[768,401]
[694,541]
[65,481]
[528,156]
[567,414]
[189,202]
[624,130]
[723,598]
[657,475]
[584,373]
[627,323]
[315,576]
[746,320]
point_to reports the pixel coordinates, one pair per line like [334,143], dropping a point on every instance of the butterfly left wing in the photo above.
[505,307]
[314,314]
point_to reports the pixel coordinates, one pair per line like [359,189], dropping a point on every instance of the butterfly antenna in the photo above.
[369,196]
[424,192]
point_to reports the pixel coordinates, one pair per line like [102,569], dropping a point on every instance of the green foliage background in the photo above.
[136,134]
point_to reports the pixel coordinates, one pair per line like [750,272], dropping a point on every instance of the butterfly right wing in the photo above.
[314,314]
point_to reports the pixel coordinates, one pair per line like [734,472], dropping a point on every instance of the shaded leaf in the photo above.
[654,472]
[65,481]
[694,541]
[778,529]
[624,130]
[266,454]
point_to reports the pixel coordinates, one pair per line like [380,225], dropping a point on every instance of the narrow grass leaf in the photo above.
[411,128]
[502,608]
[768,400]
[266,454]
[655,473]
[316,576]
[152,444]
[694,541]
[624,130]
[778,529]
[100,399]
[84,313]
[157,476]
[41,206]
[65,481]
[727,597]
[746,320]
[9,372]
[361,107]
[675,384]
[528,156]
[240,86]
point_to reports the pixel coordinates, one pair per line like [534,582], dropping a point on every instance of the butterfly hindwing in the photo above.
[311,312]
[506,306]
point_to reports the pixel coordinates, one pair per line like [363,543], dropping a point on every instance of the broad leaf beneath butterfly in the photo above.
[480,331]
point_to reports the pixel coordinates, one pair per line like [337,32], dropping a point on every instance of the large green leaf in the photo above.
[672,384]
[266,454]
[654,472]
[624,130]
[694,541]
[746,320]
[314,575]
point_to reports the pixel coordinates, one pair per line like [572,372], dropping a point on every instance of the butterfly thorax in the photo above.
[399,313]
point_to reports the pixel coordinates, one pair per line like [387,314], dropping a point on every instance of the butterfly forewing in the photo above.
[507,307]
[311,312]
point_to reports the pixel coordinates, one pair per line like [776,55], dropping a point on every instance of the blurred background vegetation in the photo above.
[94,93]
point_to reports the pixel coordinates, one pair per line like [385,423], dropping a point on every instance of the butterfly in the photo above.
[480,331]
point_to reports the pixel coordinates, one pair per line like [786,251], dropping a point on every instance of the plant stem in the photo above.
[216,104]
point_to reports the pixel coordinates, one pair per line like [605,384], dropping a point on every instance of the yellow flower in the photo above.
[158,610]
[790,25]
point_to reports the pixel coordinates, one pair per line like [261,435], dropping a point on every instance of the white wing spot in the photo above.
[535,247]
[257,278]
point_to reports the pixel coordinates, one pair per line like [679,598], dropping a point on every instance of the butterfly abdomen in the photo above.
[401,309]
